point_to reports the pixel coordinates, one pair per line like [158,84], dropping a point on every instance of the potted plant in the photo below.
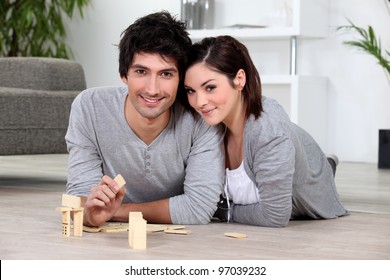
[35,28]
[369,42]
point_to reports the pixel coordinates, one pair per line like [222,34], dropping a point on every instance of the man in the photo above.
[172,161]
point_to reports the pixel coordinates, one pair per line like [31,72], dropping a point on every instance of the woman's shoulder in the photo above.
[273,110]
[268,138]
[272,117]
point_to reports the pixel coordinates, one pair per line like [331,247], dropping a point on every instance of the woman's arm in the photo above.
[272,164]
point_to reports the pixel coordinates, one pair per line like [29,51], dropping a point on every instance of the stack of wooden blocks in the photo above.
[71,204]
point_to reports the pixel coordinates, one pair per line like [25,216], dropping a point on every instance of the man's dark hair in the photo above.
[155,33]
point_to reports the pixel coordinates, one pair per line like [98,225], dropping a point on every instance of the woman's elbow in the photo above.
[279,223]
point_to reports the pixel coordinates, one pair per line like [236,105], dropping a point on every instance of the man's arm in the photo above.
[204,176]
[104,204]
[84,163]
[96,213]
[154,212]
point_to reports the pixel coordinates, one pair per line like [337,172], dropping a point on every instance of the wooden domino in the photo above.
[71,201]
[155,228]
[119,180]
[78,213]
[235,235]
[177,231]
[137,231]
[175,227]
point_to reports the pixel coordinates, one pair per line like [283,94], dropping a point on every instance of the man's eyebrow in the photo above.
[138,66]
[169,69]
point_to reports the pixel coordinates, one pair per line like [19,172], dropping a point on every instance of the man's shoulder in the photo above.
[182,115]
[101,92]
[99,96]
[193,125]
[187,120]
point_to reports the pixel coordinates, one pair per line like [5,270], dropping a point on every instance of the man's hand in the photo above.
[103,202]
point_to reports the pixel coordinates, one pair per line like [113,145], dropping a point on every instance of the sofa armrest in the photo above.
[34,121]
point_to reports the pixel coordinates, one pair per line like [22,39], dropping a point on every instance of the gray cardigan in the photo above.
[292,174]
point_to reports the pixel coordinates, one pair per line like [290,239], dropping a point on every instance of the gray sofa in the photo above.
[35,98]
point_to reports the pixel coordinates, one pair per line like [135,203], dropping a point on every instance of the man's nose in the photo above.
[152,85]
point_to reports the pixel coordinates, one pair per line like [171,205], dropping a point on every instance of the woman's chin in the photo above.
[211,122]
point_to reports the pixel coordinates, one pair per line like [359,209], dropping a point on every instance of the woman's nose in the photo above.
[201,100]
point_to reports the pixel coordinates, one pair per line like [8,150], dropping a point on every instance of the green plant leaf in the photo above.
[35,28]
[368,42]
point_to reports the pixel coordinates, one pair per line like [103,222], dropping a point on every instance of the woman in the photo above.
[275,171]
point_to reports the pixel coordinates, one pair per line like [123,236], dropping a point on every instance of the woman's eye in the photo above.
[210,88]
[189,91]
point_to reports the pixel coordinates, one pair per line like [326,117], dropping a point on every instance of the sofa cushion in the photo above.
[32,141]
[34,109]
[41,73]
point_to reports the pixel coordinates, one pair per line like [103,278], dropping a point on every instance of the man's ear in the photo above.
[124,79]
[240,79]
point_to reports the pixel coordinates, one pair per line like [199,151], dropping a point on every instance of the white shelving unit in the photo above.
[303,97]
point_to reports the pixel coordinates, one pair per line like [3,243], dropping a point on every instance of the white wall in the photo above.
[94,39]
[359,94]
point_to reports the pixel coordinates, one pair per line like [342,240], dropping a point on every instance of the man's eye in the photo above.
[166,74]
[140,71]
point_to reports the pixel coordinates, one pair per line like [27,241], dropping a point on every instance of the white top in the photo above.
[239,188]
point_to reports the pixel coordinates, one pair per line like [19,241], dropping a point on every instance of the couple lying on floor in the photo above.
[193,137]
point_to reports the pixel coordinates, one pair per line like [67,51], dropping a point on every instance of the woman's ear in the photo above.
[240,79]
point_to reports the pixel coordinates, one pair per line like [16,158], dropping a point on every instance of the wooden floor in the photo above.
[30,228]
